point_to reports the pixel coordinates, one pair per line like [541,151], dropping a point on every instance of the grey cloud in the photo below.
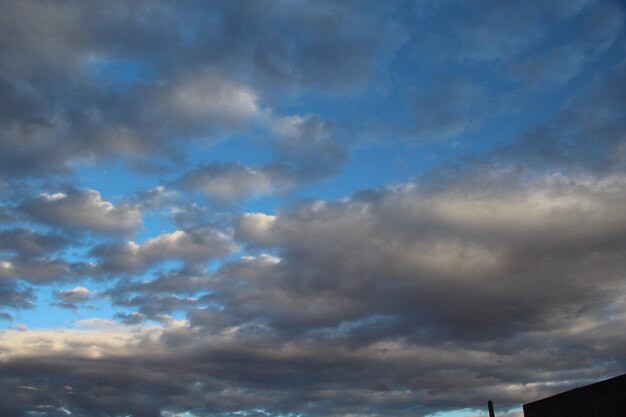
[586,134]
[602,24]
[152,306]
[251,367]
[500,279]
[481,248]
[156,198]
[6,214]
[233,182]
[72,298]
[305,149]
[255,228]
[71,96]
[308,146]
[206,99]
[330,45]
[29,243]
[164,294]
[448,109]
[174,203]
[132,318]
[42,270]
[82,210]
[177,281]
[14,295]
[193,215]
[514,39]
[191,246]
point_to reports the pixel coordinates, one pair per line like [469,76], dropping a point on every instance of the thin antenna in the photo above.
[490,405]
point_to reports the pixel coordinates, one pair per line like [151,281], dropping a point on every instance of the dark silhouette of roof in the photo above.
[602,399]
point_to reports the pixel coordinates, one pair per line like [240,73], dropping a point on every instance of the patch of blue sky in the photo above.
[231,149]
[162,266]
[47,315]
[470,412]
[266,204]
[114,180]
[465,412]
[377,166]
[118,72]
[154,224]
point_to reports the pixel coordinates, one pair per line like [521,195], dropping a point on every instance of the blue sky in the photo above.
[309,208]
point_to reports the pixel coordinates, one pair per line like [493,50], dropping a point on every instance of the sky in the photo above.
[313,208]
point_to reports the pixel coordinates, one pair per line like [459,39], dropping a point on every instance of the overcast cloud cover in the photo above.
[309,208]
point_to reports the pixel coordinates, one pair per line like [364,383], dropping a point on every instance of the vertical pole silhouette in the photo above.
[490,405]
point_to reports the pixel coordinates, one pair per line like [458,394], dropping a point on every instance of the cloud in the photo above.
[30,244]
[482,248]
[14,295]
[304,151]
[43,270]
[244,366]
[208,98]
[586,134]
[191,246]
[82,210]
[36,257]
[72,298]
[495,275]
[183,281]
[232,182]
[447,110]
[308,145]
[255,228]
[523,42]
[602,24]
[84,84]
[132,318]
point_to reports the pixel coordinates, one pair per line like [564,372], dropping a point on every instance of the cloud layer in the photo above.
[309,208]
